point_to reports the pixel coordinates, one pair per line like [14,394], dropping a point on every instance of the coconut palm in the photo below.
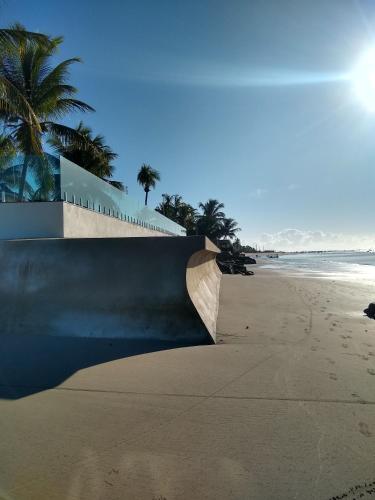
[97,159]
[33,95]
[166,206]
[173,207]
[209,222]
[229,228]
[212,208]
[147,178]
[187,217]
[9,37]
[169,206]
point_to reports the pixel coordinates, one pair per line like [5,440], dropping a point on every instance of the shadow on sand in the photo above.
[33,364]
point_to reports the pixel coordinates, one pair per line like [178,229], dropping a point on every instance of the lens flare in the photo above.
[364,79]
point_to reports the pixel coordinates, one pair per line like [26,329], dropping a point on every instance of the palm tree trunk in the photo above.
[146,197]
[21,187]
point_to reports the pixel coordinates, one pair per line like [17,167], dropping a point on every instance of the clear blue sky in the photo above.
[236,100]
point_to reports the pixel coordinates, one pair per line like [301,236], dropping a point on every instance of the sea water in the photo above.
[347,266]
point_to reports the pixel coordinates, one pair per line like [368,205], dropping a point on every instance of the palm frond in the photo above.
[56,77]
[13,99]
[16,34]
[117,184]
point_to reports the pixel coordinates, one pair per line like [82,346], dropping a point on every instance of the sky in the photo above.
[250,102]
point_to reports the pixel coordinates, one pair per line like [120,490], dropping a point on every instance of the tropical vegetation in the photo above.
[147,177]
[209,219]
[97,159]
[35,95]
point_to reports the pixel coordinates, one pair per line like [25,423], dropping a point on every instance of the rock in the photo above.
[244,259]
[234,263]
[225,267]
[370,311]
[224,257]
[239,268]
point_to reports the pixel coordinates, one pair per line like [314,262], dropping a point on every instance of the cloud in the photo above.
[292,187]
[296,239]
[258,193]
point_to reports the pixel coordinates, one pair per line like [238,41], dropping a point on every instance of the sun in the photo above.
[363,78]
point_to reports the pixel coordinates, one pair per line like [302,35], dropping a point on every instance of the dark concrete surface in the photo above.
[133,288]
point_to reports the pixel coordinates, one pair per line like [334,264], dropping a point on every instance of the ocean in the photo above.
[347,266]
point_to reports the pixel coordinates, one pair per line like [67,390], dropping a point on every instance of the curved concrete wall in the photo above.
[203,283]
[156,287]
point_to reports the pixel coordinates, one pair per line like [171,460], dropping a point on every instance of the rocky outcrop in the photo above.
[370,311]
[232,262]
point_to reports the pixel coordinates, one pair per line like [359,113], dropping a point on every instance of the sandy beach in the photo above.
[283,407]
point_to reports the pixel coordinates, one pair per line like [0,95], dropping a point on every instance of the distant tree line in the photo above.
[208,219]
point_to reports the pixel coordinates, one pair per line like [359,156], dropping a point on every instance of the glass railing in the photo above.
[47,178]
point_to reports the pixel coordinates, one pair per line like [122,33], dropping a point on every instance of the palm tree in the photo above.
[33,95]
[147,178]
[166,206]
[9,37]
[187,217]
[97,159]
[229,228]
[173,207]
[209,222]
[212,208]
[169,206]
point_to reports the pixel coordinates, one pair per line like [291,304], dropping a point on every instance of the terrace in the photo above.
[52,179]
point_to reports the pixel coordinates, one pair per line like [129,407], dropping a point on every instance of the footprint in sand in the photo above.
[345,346]
[330,361]
[333,376]
[355,395]
[331,329]
[370,371]
[313,348]
[363,429]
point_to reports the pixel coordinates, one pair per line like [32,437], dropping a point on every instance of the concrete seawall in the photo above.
[136,288]
[58,219]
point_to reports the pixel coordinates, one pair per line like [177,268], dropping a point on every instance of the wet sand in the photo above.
[282,407]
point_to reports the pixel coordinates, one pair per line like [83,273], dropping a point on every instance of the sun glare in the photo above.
[364,79]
